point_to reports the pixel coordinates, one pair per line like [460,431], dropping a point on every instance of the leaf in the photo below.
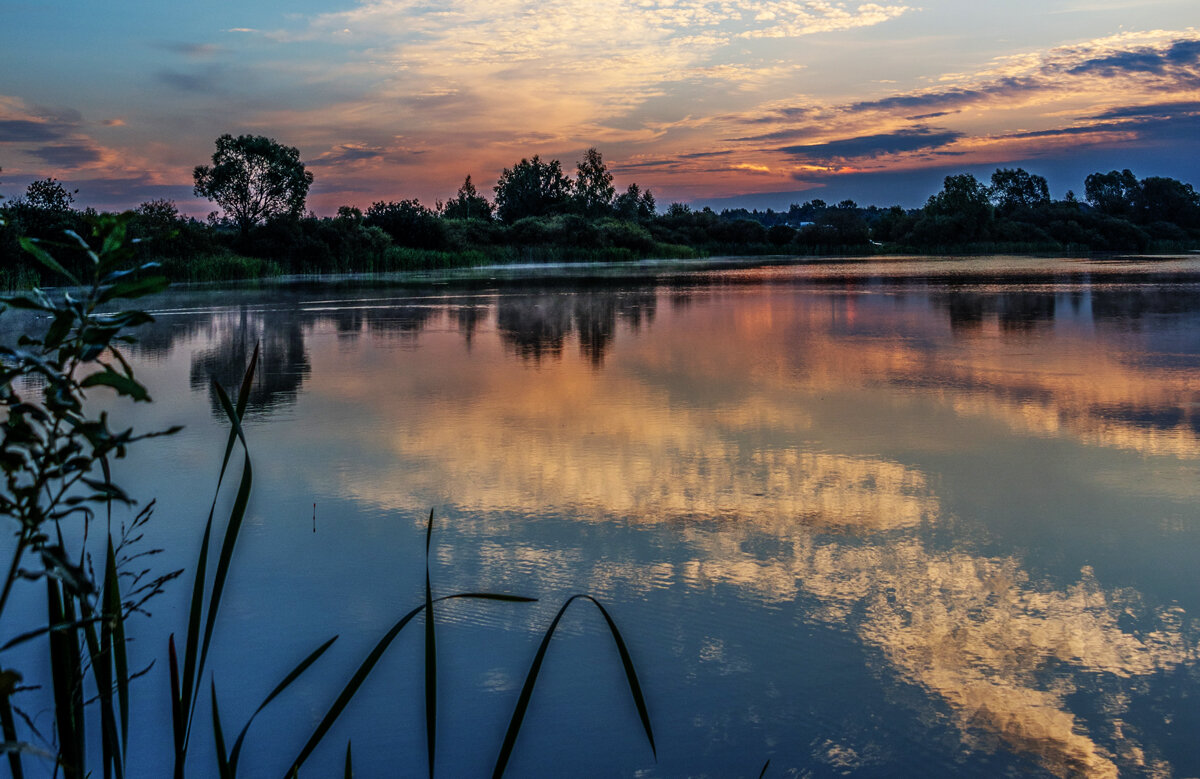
[134,288]
[43,256]
[369,663]
[120,656]
[20,301]
[219,737]
[124,385]
[64,665]
[518,716]
[9,728]
[73,577]
[351,688]
[283,685]
[115,238]
[430,658]
[177,708]
[193,659]
[59,329]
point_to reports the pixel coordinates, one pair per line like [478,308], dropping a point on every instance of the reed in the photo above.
[51,452]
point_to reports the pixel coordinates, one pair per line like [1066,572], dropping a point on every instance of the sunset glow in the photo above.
[731,103]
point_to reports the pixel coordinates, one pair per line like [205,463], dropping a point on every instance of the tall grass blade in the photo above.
[763,772]
[120,656]
[369,663]
[8,726]
[63,677]
[349,773]
[100,651]
[219,737]
[283,685]
[430,657]
[191,665]
[236,515]
[351,688]
[518,717]
[178,724]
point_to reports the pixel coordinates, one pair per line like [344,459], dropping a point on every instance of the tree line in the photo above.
[539,212]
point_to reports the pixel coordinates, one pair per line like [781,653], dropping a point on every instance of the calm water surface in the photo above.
[877,518]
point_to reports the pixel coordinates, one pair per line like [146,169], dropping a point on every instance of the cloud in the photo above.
[1183,108]
[351,153]
[192,50]
[871,146]
[29,131]
[702,154]
[67,155]
[53,137]
[207,81]
[574,64]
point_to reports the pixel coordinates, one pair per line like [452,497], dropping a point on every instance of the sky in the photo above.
[755,103]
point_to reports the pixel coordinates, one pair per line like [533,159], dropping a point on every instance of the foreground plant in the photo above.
[56,462]
[56,457]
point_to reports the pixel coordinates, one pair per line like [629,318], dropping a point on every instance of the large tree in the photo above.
[531,188]
[467,204]
[1169,200]
[1014,189]
[634,204]
[254,178]
[1116,193]
[594,191]
[960,213]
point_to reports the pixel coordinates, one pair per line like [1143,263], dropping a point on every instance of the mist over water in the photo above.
[886,518]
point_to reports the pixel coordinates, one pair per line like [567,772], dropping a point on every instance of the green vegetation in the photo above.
[59,493]
[540,214]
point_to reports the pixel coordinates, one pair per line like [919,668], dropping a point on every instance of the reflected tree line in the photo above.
[534,327]
[539,325]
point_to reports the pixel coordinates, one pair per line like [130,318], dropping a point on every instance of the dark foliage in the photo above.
[532,188]
[253,179]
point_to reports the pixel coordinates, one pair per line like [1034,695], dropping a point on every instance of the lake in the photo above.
[871,518]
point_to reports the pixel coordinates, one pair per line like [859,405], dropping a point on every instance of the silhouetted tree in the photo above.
[531,188]
[594,190]
[408,223]
[49,195]
[467,204]
[350,214]
[1015,189]
[961,212]
[253,179]
[1169,200]
[1113,193]
[635,205]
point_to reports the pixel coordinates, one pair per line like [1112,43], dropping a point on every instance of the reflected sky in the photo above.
[967,495]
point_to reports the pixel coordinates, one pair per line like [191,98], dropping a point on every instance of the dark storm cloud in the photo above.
[916,139]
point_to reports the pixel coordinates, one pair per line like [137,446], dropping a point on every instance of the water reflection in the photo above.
[283,360]
[822,422]
[535,327]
